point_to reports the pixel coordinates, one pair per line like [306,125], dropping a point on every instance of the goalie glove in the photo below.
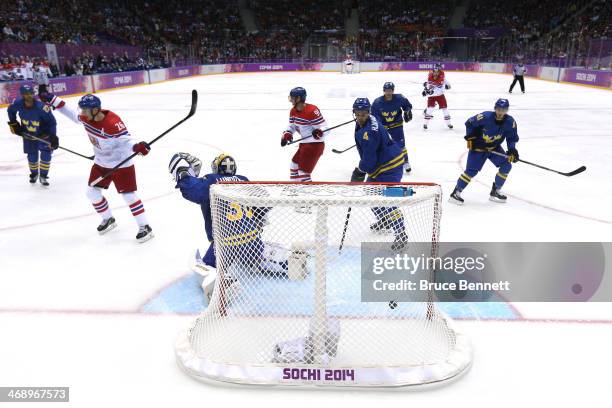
[182,164]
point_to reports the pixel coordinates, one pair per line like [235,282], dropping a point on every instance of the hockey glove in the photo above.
[407,116]
[513,155]
[15,128]
[287,137]
[53,141]
[141,148]
[52,100]
[317,133]
[473,142]
[358,176]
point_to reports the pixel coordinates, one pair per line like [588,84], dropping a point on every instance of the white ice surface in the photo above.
[70,299]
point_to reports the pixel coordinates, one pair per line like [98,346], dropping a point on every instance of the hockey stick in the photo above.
[59,147]
[346,222]
[324,130]
[194,105]
[342,151]
[568,174]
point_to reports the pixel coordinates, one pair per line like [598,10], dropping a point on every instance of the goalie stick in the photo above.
[324,130]
[568,174]
[194,105]
[59,147]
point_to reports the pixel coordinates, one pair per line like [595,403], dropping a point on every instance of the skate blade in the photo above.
[145,238]
[456,202]
[110,227]
[496,200]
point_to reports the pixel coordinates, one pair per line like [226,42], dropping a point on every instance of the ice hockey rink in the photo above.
[100,314]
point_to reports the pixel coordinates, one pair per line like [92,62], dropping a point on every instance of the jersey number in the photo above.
[236,213]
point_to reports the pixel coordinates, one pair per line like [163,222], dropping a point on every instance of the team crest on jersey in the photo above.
[491,139]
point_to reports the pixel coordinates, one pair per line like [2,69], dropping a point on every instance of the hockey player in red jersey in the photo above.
[112,143]
[434,90]
[308,122]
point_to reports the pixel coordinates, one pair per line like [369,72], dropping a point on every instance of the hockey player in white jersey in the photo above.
[434,90]
[112,143]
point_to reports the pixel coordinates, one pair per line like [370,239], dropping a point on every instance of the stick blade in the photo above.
[336,151]
[194,103]
[577,171]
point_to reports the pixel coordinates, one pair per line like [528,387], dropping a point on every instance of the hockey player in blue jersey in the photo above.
[36,120]
[485,133]
[239,228]
[390,109]
[382,160]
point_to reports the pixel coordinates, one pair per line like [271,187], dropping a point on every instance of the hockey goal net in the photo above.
[287,308]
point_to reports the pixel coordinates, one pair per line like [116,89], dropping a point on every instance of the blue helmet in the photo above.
[361,104]
[437,66]
[502,103]
[298,92]
[388,85]
[90,101]
[26,89]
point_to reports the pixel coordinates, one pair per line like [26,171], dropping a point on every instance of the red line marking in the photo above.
[72,217]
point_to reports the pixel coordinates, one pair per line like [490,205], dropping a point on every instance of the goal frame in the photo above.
[457,362]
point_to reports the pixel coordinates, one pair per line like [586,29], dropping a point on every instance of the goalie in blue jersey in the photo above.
[239,227]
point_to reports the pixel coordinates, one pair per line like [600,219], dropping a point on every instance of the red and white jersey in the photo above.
[110,138]
[437,83]
[306,121]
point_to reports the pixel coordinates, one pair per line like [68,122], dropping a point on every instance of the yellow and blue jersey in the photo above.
[490,133]
[239,225]
[378,152]
[389,113]
[36,121]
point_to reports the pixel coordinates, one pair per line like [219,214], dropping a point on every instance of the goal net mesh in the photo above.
[288,289]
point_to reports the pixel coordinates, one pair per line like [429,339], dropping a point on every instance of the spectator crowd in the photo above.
[208,31]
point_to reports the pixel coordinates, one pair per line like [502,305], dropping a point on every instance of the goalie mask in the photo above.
[224,165]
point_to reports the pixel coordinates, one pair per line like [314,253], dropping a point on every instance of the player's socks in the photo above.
[102,208]
[106,225]
[496,196]
[456,198]
[33,165]
[44,167]
[44,180]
